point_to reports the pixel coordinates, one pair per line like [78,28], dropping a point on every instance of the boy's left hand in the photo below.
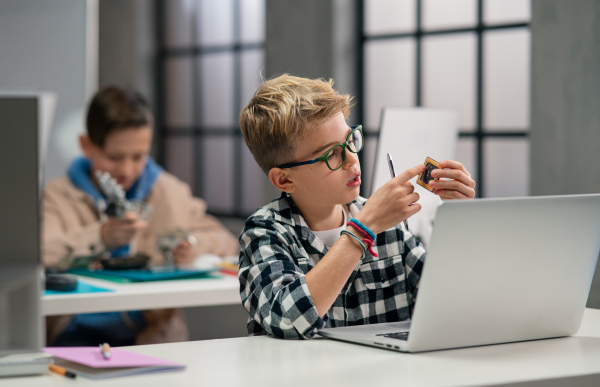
[455,181]
[183,254]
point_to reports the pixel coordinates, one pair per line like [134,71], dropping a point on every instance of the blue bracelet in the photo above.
[364,248]
[364,228]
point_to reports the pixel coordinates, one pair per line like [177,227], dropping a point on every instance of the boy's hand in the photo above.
[119,232]
[455,181]
[183,254]
[392,203]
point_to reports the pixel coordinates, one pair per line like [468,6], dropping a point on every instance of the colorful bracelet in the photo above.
[364,249]
[356,223]
[367,240]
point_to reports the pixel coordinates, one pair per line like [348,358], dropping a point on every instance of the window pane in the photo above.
[449,75]
[180,157]
[506,11]
[216,84]
[444,14]
[389,77]
[217,173]
[252,64]
[389,16]
[254,182]
[179,23]
[506,79]
[506,168]
[179,92]
[215,22]
[466,149]
[252,21]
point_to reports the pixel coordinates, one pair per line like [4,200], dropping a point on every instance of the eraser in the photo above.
[426,177]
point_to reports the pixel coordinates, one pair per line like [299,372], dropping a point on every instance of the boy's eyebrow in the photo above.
[326,146]
[329,145]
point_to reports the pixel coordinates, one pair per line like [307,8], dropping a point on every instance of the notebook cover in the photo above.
[89,362]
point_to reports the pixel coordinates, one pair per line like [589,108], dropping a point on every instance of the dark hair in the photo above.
[116,108]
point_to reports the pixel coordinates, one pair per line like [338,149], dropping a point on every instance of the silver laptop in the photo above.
[497,271]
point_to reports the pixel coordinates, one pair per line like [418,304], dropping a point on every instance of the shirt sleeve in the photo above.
[272,286]
[59,244]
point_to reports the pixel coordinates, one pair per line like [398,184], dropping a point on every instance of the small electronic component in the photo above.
[118,204]
[426,177]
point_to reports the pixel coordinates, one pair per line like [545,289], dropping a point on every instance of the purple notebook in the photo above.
[89,362]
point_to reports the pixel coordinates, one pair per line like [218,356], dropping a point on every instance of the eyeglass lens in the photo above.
[355,142]
[337,155]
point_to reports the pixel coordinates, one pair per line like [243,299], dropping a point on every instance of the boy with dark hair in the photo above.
[321,255]
[74,221]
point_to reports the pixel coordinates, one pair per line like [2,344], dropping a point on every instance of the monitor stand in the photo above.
[21,324]
[23,364]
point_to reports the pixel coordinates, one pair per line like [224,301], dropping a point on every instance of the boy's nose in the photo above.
[126,168]
[351,159]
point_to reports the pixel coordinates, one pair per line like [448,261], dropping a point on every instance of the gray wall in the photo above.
[565,116]
[314,39]
[565,120]
[127,45]
[49,46]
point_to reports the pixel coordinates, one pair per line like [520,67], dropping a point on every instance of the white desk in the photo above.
[147,295]
[265,361]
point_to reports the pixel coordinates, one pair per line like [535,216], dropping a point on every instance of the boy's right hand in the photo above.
[118,232]
[392,203]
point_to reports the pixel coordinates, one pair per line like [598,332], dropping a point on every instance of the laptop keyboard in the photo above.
[395,335]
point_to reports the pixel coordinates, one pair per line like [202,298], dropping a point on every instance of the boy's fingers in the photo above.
[129,216]
[410,173]
[453,165]
[450,164]
[140,225]
[453,174]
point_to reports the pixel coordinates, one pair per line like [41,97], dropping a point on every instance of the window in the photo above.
[210,61]
[473,55]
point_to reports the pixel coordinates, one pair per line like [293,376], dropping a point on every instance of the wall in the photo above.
[127,45]
[51,46]
[565,117]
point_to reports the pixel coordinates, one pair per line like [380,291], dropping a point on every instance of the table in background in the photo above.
[265,361]
[221,290]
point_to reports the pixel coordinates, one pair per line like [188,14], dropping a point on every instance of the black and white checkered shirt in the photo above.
[277,248]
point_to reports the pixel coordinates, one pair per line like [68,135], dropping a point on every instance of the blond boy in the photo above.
[307,260]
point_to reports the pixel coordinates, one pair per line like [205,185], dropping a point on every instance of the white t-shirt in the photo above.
[329,237]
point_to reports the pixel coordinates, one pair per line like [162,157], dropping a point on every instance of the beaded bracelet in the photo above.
[355,223]
[364,249]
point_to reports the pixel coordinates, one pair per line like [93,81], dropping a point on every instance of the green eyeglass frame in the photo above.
[355,130]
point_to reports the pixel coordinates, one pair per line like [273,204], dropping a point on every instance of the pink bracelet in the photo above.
[368,240]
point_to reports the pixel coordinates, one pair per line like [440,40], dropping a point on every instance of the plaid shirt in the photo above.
[276,251]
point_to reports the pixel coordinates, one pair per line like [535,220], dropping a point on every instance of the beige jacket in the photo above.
[71,227]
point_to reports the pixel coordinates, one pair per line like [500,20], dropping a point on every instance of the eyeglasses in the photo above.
[336,155]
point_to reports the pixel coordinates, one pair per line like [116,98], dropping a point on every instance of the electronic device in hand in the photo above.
[426,177]
[118,204]
[137,261]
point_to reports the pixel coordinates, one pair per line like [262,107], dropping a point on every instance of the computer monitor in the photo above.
[22,119]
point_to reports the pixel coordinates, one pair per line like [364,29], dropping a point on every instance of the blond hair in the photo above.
[280,113]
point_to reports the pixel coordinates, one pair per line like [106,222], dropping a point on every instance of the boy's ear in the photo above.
[85,144]
[280,178]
